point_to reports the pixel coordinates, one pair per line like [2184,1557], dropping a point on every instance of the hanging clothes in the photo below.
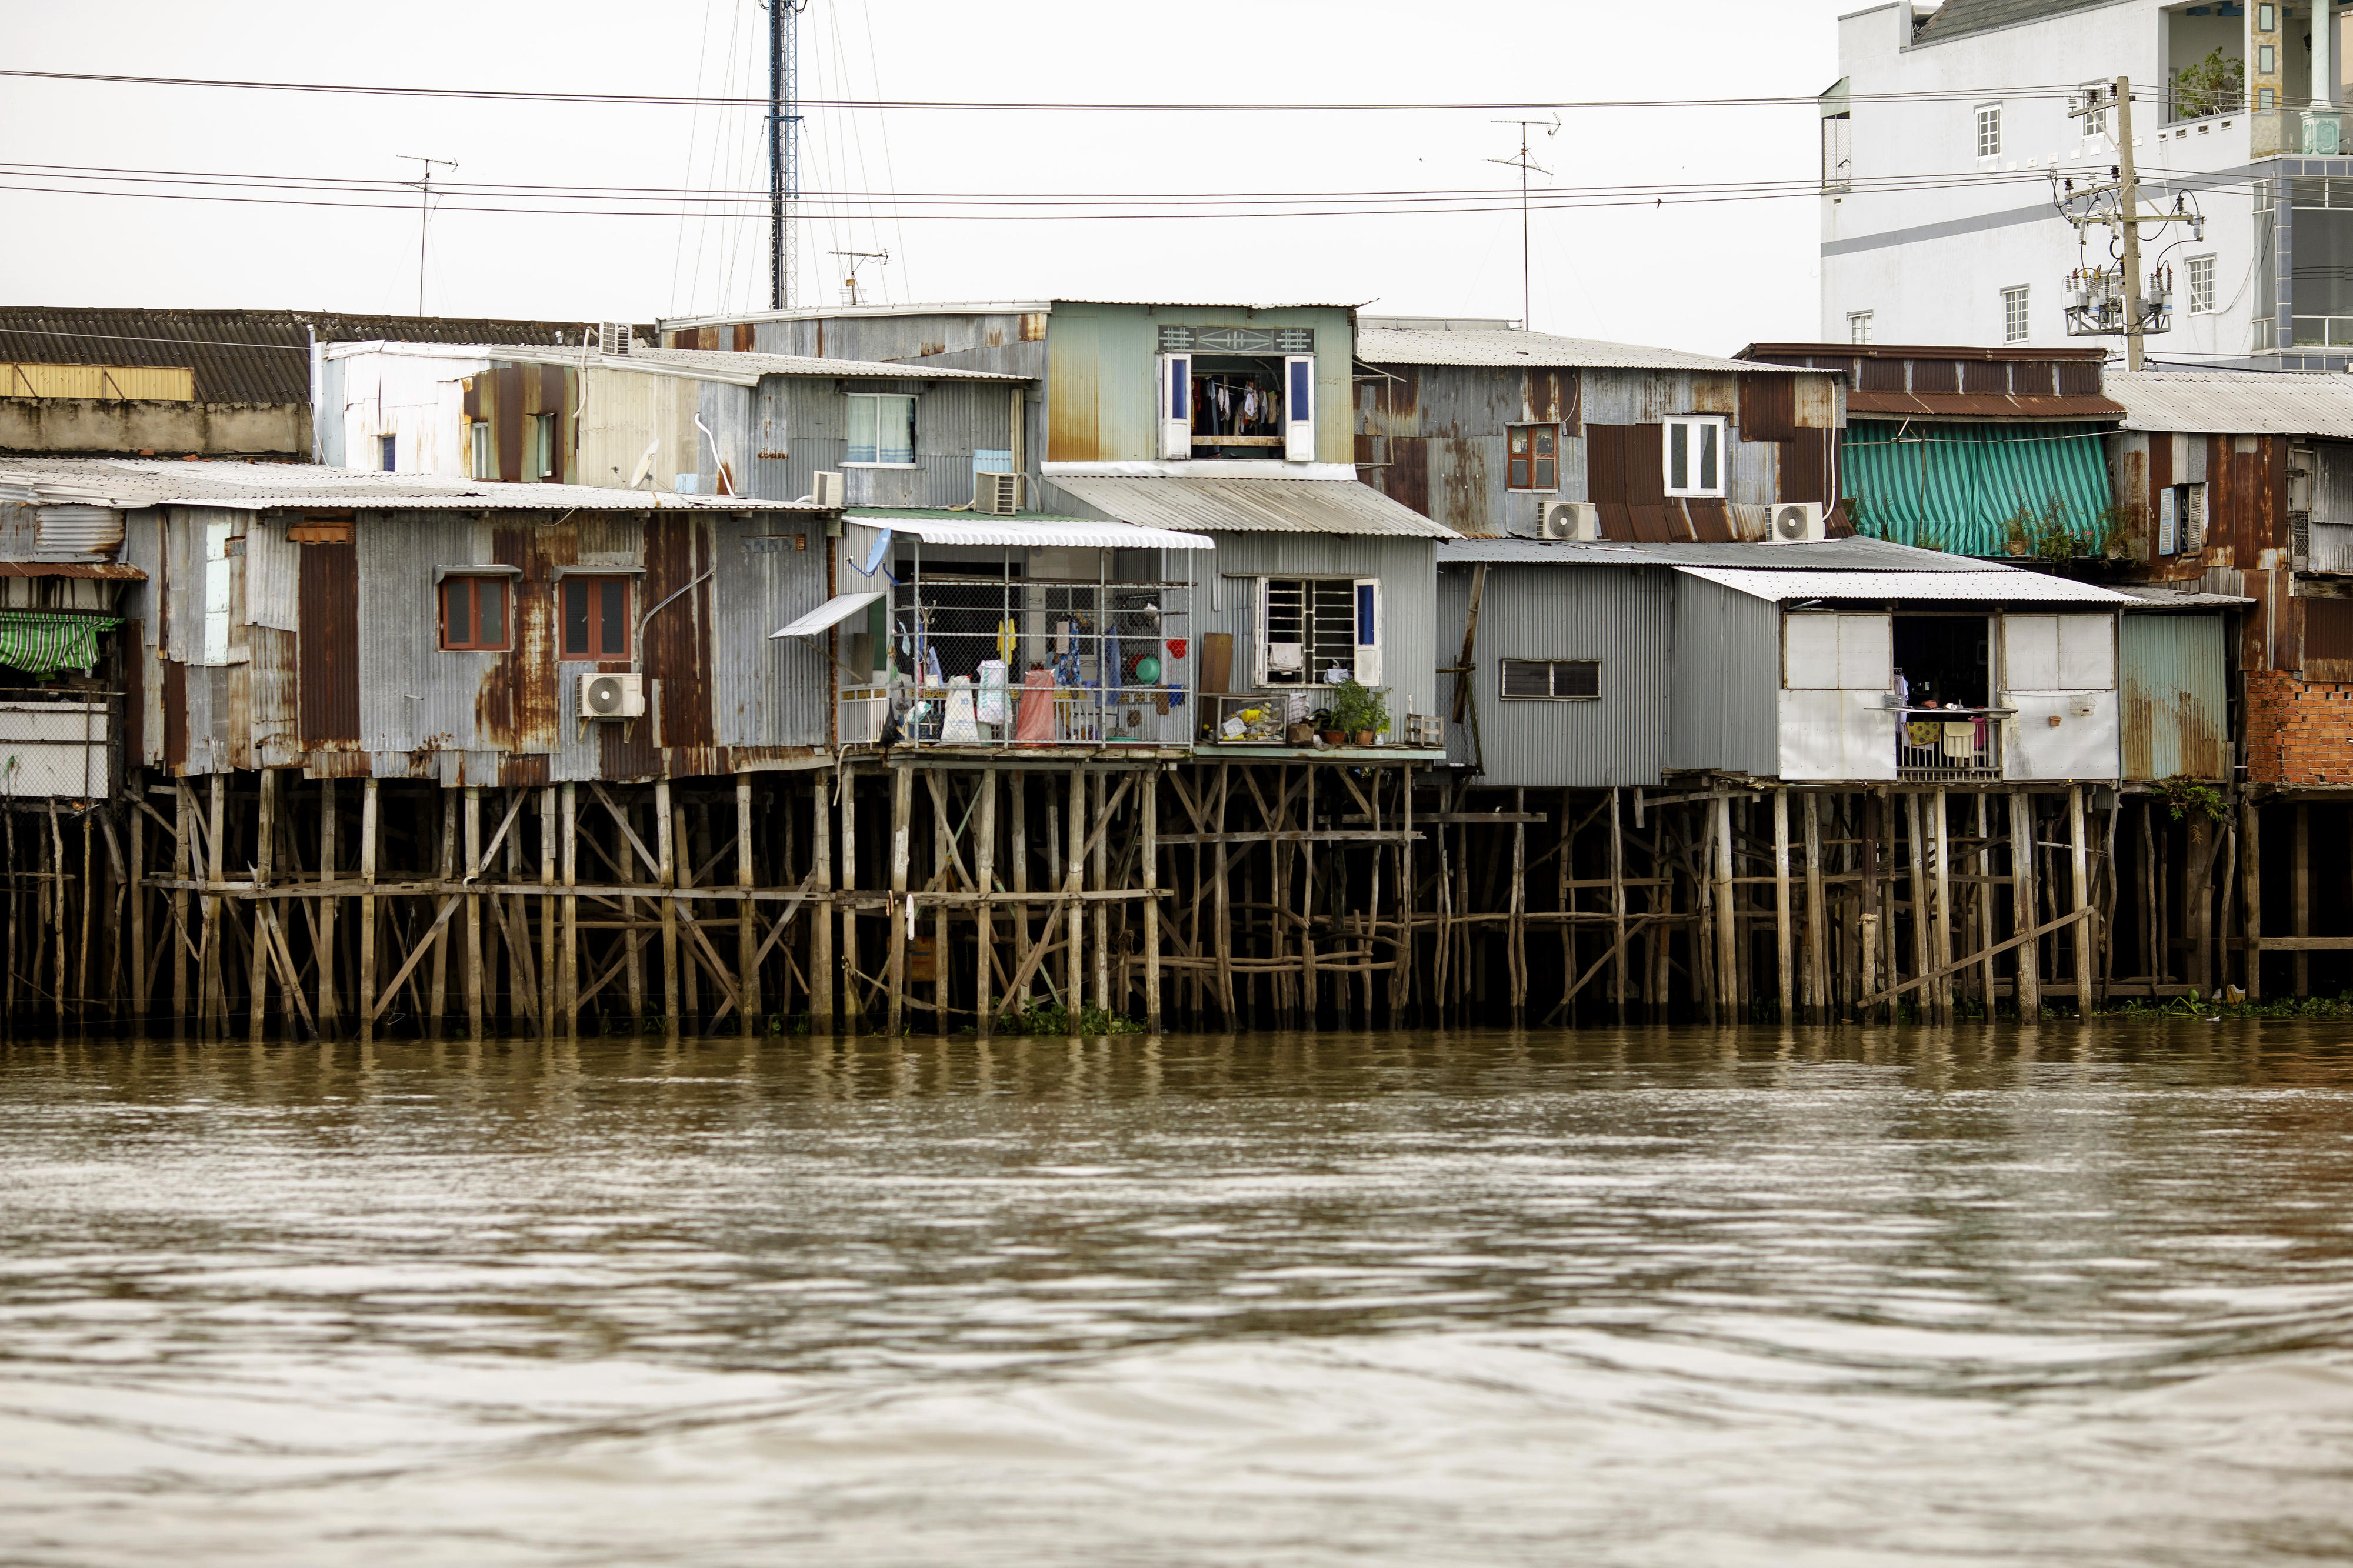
[1033,722]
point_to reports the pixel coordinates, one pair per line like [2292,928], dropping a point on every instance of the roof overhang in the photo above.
[1060,533]
[1969,587]
[1231,505]
[827,615]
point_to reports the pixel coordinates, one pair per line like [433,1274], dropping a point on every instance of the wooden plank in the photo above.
[1784,953]
[473,954]
[2079,871]
[2251,819]
[2028,987]
[2033,934]
[257,970]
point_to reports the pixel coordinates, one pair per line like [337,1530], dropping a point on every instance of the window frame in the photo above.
[1987,118]
[1552,693]
[481,450]
[874,400]
[1721,426]
[2022,295]
[474,580]
[2190,267]
[1858,327]
[538,449]
[593,616]
[1365,657]
[1525,467]
[387,453]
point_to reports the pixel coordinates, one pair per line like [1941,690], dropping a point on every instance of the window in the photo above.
[2264,96]
[1989,130]
[1858,326]
[484,457]
[2266,61]
[2180,519]
[1694,449]
[474,613]
[595,617]
[1838,152]
[1310,628]
[2095,119]
[1534,453]
[2267,18]
[2014,316]
[882,431]
[538,447]
[386,447]
[1552,679]
[2201,285]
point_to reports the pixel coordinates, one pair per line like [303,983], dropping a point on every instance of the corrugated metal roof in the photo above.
[1984,406]
[1253,506]
[1022,532]
[105,570]
[826,616]
[131,482]
[1957,18]
[2218,403]
[1392,345]
[1995,585]
[711,364]
[1857,555]
[2168,599]
[239,356]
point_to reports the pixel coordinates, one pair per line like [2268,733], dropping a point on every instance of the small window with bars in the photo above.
[1535,458]
[1552,679]
[1318,631]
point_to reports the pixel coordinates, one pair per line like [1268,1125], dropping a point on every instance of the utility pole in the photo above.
[2095,294]
[784,151]
[1524,165]
[2130,198]
[424,212]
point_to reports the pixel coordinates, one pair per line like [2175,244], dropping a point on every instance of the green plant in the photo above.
[1050,1018]
[2049,535]
[2211,86]
[2184,794]
[1356,709]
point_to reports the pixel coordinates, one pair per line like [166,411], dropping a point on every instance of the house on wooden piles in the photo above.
[62,667]
[1223,422]
[1489,429]
[2239,487]
[1974,451]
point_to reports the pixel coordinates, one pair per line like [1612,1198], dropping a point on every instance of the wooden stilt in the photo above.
[2079,868]
[473,954]
[370,836]
[1817,990]
[439,936]
[550,1026]
[1726,964]
[666,847]
[1784,1007]
[689,848]
[328,1011]
[1617,970]
[983,874]
[135,824]
[2300,892]
[2028,988]
[1073,881]
[903,780]
[568,954]
[2250,826]
[853,1002]
[257,965]
[1940,890]
[1518,966]
[1151,872]
[1099,872]
[750,1015]
[1983,902]
[2198,904]
[944,859]
[822,1020]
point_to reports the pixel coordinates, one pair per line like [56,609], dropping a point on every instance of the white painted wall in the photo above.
[421,401]
[1947,288]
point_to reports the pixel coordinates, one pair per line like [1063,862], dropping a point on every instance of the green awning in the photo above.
[44,645]
[1956,486]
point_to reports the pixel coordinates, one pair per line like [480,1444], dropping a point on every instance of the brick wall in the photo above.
[2298,732]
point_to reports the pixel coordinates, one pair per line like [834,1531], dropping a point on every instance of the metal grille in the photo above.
[1238,339]
[1943,744]
[1552,679]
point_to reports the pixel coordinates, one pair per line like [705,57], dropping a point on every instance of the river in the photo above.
[2071,1294]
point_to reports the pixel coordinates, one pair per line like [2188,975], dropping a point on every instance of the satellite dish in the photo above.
[646,463]
[881,552]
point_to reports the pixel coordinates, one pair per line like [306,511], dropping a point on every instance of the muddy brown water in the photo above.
[2067,1295]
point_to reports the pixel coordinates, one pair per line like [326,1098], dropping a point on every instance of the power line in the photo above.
[2049,89]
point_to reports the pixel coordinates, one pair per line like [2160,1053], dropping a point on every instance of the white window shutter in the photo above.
[1176,405]
[2165,520]
[216,593]
[1299,407]
[1258,638]
[2194,516]
[1369,631]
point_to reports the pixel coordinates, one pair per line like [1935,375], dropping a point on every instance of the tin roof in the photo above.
[707,364]
[1251,506]
[1986,586]
[1044,533]
[1397,346]
[984,307]
[1858,554]
[2157,597]
[1957,18]
[131,482]
[239,356]
[2224,403]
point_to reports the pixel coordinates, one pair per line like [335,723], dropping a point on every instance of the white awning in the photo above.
[1019,533]
[827,615]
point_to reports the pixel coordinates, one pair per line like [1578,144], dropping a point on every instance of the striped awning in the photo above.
[1956,486]
[44,645]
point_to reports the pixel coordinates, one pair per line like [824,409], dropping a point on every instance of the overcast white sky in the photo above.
[1708,277]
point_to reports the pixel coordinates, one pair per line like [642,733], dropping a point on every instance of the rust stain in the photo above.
[743,337]
[994,338]
[175,713]
[929,347]
[1769,408]
[1465,485]
[1719,394]
[1407,479]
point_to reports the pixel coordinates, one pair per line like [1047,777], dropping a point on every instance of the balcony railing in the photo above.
[1944,745]
[966,713]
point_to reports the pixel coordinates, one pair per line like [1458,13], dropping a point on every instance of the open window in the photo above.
[1236,392]
[2180,519]
[1176,402]
[538,447]
[483,457]
[1319,631]
[595,616]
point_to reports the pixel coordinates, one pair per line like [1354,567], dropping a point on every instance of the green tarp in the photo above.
[44,645]
[1956,486]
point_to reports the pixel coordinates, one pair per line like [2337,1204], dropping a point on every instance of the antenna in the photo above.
[424,212]
[784,151]
[1522,164]
[849,284]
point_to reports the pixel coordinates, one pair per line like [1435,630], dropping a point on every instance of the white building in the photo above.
[1947,139]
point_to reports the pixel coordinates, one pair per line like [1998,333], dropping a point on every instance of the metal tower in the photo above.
[784,151]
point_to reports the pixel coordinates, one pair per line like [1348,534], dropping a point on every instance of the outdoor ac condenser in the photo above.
[1797,522]
[612,696]
[1571,519]
[997,495]
[826,489]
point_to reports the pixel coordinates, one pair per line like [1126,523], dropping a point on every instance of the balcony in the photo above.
[1949,745]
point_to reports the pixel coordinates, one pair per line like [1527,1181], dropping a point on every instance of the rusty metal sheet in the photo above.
[1646,465]
[1882,375]
[1769,408]
[1648,523]
[1711,521]
[1977,405]
[1936,375]
[1605,464]
[175,713]
[1805,469]
[506,420]
[103,571]
[323,763]
[329,671]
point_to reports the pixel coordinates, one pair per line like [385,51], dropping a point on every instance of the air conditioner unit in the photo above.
[1797,522]
[1571,519]
[612,696]
[613,337]
[826,489]
[998,495]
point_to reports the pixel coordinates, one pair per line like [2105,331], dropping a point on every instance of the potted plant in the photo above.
[1358,714]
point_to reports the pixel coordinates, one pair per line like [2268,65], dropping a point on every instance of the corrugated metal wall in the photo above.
[1618,614]
[1726,707]
[801,426]
[2175,707]
[1407,570]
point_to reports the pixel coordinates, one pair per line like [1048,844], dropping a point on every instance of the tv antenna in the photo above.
[1523,163]
[424,212]
[849,284]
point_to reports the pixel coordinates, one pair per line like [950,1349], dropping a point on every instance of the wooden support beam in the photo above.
[1726,954]
[2251,826]
[665,866]
[2079,872]
[902,780]
[1817,989]
[258,967]
[2032,934]
[2028,987]
[984,864]
[1941,892]
[747,963]
[438,941]
[1784,954]
[1151,874]
[567,1000]
[472,807]
[1073,880]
